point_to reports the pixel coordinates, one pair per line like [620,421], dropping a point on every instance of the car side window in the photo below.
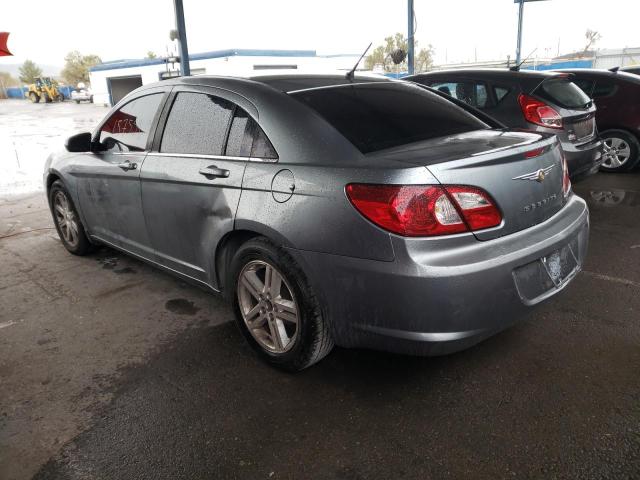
[262,147]
[247,139]
[472,93]
[500,93]
[585,85]
[127,130]
[240,135]
[603,89]
[207,118]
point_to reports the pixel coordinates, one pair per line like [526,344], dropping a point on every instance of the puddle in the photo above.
[181,306]
[614,198]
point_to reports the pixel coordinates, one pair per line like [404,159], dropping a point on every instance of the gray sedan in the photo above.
[329,211]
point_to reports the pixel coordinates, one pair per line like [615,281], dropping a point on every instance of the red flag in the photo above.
[4,50]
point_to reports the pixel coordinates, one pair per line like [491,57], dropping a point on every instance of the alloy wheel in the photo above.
[616,152]
[268,306]
[65,218]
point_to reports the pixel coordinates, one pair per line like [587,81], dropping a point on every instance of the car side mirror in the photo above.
[80,142]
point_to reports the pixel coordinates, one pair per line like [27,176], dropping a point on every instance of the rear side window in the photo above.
[240,135]
[603,89]
[584,85]
[246,138]
[472,93]
[374,117]
[197,124]
[500,93]
[563,93]
[127,130]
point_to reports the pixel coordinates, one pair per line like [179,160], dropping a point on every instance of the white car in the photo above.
[81,95]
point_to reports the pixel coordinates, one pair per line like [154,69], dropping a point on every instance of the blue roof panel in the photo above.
[143,62]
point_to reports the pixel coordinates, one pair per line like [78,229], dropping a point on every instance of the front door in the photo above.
[108,179]
[190,187]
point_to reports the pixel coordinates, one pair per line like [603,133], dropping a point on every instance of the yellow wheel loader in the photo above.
[46,89]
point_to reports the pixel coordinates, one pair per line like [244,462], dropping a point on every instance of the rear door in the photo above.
[190,186]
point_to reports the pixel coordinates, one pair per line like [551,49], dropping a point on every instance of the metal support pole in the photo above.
[410,53]
[519,44]
[182,38]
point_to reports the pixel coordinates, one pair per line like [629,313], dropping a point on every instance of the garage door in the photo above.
[121,86]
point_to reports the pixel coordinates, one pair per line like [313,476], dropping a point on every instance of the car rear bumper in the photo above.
[433,301]
[583,160]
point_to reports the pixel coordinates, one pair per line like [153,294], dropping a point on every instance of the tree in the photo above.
[76,68]
[29,71]
[592,37]
[381,55]
[151,54]
[8,80]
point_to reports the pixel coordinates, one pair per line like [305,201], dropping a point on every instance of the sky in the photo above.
[459,30]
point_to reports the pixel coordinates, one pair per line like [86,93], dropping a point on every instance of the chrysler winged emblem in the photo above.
[538,175]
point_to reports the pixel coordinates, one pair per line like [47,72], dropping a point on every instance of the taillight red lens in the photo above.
[424,210]
[538,112]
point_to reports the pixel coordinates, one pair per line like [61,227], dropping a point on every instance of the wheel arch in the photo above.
[231,241]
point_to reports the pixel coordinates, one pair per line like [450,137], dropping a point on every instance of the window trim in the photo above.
[213,157]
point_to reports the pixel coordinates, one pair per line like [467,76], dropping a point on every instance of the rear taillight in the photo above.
[566,181]
[538,112]
[425,210]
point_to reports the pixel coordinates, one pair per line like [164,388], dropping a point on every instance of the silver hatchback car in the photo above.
[329,211]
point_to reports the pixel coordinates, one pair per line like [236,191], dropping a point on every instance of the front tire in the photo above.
[622,151]
[67,221]
[276,309]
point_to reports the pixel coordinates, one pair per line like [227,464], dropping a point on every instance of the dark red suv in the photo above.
[617,97]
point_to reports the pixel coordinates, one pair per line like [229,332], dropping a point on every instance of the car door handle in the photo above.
[128,165]
[213,171]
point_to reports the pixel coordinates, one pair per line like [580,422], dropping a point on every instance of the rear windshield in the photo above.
[375,117]
[563,93]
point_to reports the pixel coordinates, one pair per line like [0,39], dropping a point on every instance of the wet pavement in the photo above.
[30,131]
[111,369]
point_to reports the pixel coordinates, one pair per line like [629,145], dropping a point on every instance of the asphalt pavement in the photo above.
[112,369]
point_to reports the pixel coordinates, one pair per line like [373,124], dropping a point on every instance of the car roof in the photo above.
[293,82]
[596,72]
[281,82]
[500,73]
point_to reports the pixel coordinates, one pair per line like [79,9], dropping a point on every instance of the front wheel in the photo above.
[67,221]
[621,151]
[276,309]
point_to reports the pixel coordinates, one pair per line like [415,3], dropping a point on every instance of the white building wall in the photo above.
[241,66]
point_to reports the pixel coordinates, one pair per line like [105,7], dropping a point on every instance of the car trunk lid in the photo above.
[521,171]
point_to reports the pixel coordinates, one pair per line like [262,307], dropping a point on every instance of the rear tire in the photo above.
[46,98]
[67,221]
[34,97]
[266,303]
[622,151]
